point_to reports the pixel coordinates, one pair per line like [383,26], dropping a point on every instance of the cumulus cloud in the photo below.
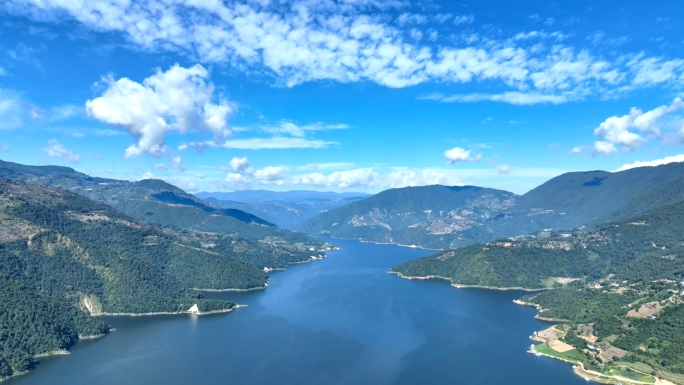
[179,99]
[627,131]
[342,179]
[240,165]
[458,154]
[652,163]
[301,40]
[55,150]
[271,174]
[577,150]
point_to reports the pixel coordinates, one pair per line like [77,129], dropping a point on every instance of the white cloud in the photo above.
[187,185]
[620,130]
[147,175]
[302,40]
[11,109]
[95,155]
[5,148]
[291,129]
[3,72]
[274,143]
[271,175]
[458,154]
[65,111]
[325,166]
[161,166]
[463,19]
[177,163]
[411,18]
[504,169]
[199,175]
[176,100]
[601,147]
[577,150]
[56,150]
[516,98]
[341,179]
[240,165]
[652,163]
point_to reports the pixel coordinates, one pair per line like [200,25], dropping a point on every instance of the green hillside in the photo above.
[73,256]
[620,280]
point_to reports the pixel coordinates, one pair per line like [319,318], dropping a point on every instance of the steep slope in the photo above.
[585,198]
[152,200]
[428,216]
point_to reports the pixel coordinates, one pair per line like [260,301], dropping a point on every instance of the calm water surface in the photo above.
[342,320]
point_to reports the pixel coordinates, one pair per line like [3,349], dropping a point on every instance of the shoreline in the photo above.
[382,243]
[229,290]
[578,367]
[461,286]
[168,313]
[591,375]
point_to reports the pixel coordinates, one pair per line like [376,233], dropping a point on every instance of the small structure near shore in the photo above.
[194,309]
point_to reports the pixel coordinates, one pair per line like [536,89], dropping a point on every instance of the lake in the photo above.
[342,320]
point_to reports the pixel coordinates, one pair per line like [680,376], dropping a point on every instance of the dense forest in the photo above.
[64,257]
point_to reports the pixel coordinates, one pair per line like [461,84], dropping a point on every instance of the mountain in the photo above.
[285,209]
[441,217]
[428,216]
[154,201]
[617,289]
[63,256]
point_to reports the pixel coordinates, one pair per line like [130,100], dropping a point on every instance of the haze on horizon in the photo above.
[340,95]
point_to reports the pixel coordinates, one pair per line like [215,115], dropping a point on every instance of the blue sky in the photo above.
[340,94]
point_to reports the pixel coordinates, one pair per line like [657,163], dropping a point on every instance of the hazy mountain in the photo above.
[285,209]
[443,217]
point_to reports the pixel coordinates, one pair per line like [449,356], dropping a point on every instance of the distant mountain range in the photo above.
[442,217]
[286,209]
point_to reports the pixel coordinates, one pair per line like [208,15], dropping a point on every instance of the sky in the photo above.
[341,95]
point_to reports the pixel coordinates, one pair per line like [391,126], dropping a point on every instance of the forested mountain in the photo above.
[152,200]
[443,217]
[63,255]
[286,209]
[429,216]
[618,285]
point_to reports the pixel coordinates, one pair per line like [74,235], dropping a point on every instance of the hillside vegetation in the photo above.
[63,256]
[617,285]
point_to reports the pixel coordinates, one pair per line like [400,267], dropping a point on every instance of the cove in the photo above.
[342,320]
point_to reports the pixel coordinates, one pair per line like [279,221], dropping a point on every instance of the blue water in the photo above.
[342,320]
